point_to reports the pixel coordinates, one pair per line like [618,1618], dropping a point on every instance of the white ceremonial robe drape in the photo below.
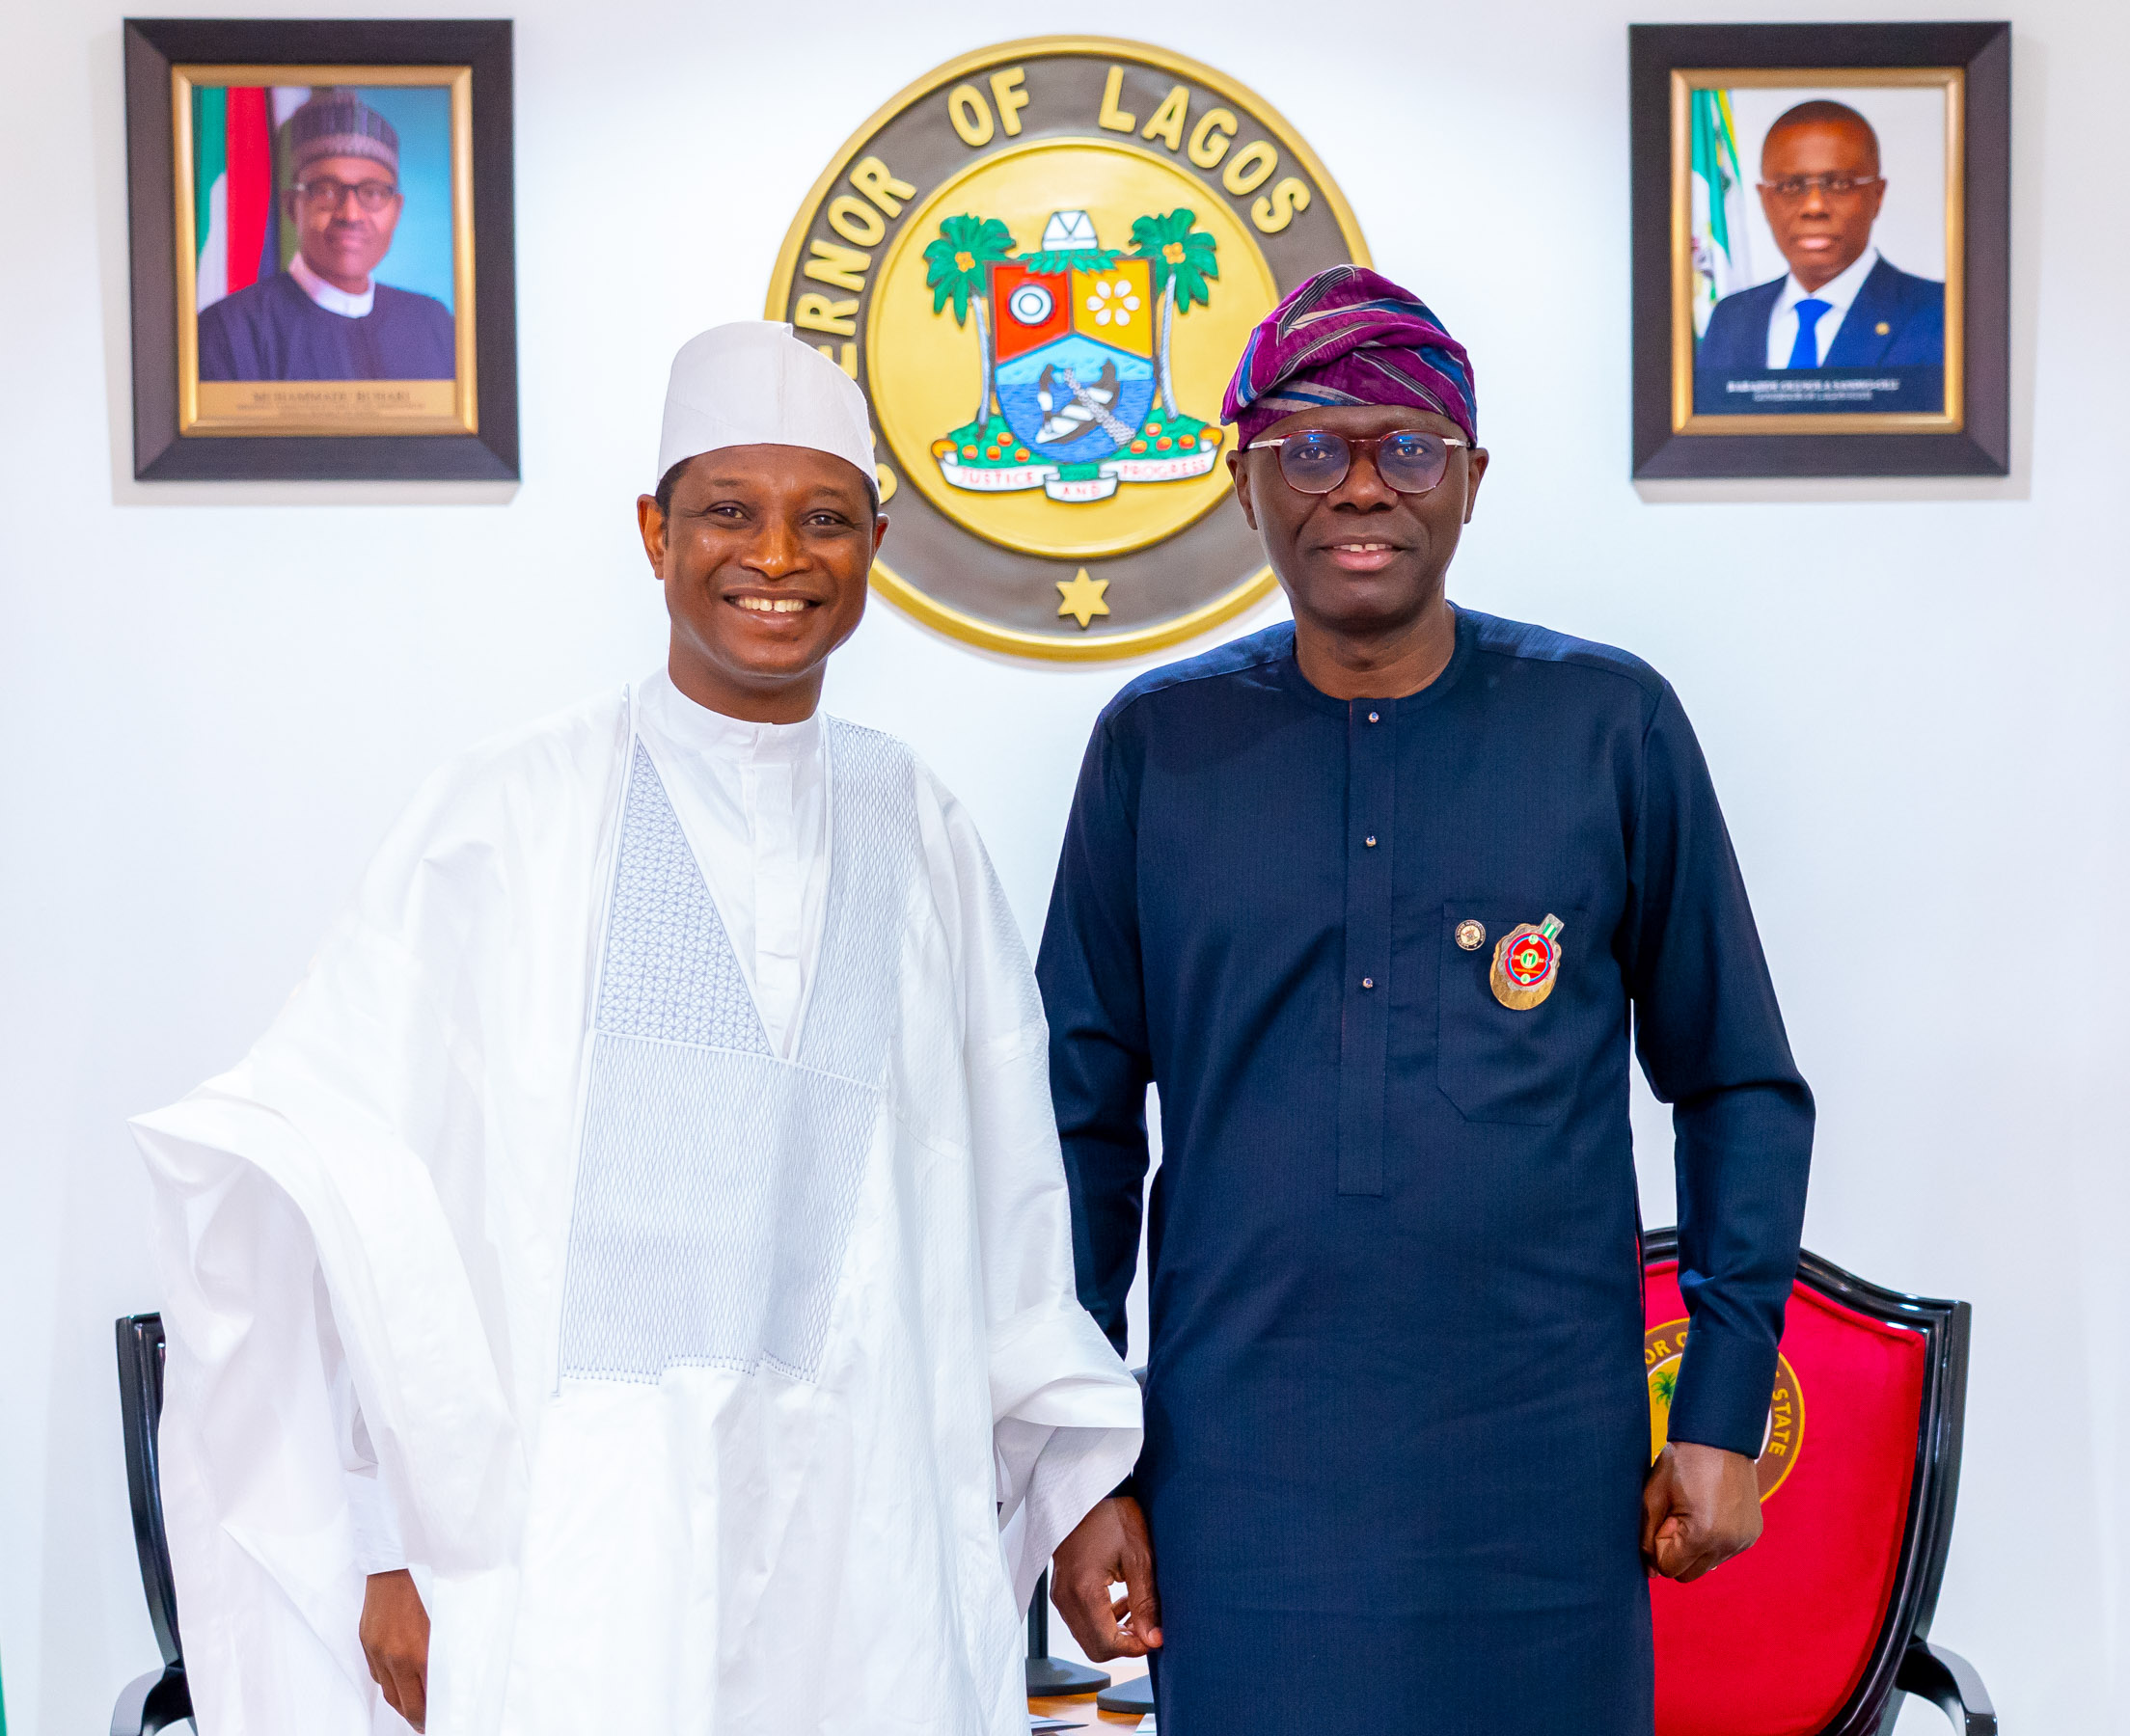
[752,800]
[720,1536]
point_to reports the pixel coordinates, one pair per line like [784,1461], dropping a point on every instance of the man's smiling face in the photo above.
[1363,559]
[764,551]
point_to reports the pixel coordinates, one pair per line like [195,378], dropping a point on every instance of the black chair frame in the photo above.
[160,1698]
[1903,1659]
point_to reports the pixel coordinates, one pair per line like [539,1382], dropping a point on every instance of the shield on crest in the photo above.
[1075,354]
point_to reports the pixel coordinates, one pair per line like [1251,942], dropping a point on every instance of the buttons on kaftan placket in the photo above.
[1471,936]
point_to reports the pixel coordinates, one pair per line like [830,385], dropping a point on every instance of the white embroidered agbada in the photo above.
[716,1373]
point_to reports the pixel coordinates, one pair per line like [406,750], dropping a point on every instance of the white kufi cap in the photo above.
[751,383]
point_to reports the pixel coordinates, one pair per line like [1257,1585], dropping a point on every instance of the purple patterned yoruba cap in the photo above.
[1349,336]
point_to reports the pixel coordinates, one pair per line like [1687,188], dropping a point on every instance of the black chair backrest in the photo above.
[141,1413]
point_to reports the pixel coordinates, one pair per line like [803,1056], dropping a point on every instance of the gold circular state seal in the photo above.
[1042,262]
[1663,1350]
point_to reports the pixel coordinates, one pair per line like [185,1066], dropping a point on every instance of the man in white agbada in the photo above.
[639,1248]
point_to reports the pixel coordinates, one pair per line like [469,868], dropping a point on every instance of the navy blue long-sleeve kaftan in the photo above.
[1397,1421]
[273,331]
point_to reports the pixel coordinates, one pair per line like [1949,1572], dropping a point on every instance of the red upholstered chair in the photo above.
[1820,1627]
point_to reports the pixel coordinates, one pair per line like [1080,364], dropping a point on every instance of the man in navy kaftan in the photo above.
[1397,1429]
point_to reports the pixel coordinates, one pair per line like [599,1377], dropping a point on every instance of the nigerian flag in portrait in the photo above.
[1722,259]
[234,224]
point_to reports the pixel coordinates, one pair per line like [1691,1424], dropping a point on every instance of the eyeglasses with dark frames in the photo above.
[1793,187]
[326,194]
[1315,460]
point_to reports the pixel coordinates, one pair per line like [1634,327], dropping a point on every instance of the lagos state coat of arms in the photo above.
[1042,262]
[1664,1352]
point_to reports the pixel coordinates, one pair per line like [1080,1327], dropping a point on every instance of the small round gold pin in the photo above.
[1471,936]
[1882,328]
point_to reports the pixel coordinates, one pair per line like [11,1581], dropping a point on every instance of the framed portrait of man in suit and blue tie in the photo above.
[1821,258]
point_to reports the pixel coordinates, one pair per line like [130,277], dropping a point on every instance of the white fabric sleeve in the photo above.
[1066,1414]
[377,1545]
[372,1514]
[319,1233]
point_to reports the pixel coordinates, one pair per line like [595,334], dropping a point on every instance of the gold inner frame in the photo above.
[943,616]
[1950,420]
[214,407]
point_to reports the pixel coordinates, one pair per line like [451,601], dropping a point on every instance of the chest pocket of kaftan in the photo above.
[1502,1064]
[717,1183]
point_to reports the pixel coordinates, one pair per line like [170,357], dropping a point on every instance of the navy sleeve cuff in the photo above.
[1724,1385]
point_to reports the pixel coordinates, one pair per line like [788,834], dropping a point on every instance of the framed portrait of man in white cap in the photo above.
[317,249]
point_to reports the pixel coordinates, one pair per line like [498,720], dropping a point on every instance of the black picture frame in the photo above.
[1980,445]
[160,453]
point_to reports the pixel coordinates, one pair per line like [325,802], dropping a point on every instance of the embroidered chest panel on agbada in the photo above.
[718,1182]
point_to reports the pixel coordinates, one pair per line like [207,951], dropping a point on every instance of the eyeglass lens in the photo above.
[327,193]
[1411,462]
[1834,186]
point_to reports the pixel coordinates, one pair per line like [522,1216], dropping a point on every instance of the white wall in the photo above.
[213,698]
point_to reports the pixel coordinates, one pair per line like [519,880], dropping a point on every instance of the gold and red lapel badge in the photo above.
[1527,961]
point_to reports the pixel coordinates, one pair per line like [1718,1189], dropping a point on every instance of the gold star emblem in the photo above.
[1082,597]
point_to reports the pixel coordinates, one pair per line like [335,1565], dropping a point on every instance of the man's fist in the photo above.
[1109,1546]
[1701,1506]
[396,1641]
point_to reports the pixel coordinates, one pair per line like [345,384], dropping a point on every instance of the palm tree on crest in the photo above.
[1181,258]
[958,268]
